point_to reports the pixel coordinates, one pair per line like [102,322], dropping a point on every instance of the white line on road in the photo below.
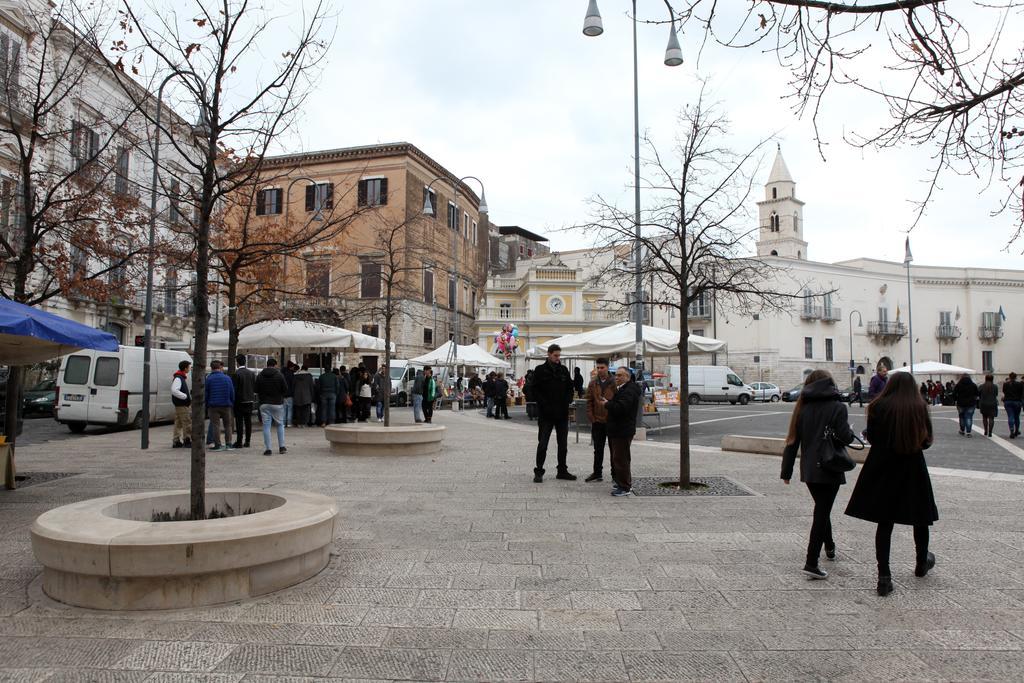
[718,419]
[1000,441]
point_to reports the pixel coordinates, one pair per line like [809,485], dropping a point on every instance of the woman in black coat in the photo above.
[820,406]
[894,486]
[965,395]
[988,404]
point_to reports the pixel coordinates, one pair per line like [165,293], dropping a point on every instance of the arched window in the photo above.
[774,253]
[773,222]
[775,193]
[799,255]
[796,222]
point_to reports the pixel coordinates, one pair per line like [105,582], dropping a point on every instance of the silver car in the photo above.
[765,391]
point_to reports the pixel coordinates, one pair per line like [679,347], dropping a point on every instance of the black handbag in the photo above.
[834,457]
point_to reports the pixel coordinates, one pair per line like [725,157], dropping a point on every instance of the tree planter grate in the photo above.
[24,479]
[712,486]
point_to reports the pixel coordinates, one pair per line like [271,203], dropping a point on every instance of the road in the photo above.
[42,429]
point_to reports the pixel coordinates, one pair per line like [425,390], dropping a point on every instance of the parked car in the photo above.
[39,399]
[793,394]
[766,391]
[848,396]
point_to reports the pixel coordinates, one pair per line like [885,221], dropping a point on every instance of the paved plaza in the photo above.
[457,567]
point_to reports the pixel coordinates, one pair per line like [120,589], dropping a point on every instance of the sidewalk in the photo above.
[458,567]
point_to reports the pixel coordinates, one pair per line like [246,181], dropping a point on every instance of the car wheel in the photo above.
[76,427]
[137,422]
[776,398]
[403,400]
[693,399]
[744,400]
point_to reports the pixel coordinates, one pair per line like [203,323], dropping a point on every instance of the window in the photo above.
[79,261]
[505,311]
[428,286]
[117,273]
[775,193]
[699,307]
[465,225]
[474,234]
[12,217]
[827,306]
[77,370]
[268,201]
[699,332]
[428,336]
[453,217]
[370,280]
[529,253]
[171,292]
[757,316]
[175,215]
[773,222]
[474,302]
[733,380]
[808,302]
[373,192]
[947,358]
[121,186]
[107,370]
[465,295]
[10,66]
[945,318]
[428,193]
[319,196]
[883,314]
[372,330]
[990,320]
[808,347]
[85,144]
[318,279]
[829,352]
[522,250]
[986,361]
[757,359]
[451,293]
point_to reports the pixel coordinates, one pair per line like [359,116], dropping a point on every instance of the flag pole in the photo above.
[907,260]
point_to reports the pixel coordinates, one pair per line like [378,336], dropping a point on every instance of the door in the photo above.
[74,389]
[370,363]
[734,386]
[104,390]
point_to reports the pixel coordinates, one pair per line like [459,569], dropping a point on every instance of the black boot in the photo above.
[925,566]
[884,585]
[565,474]
[538,475]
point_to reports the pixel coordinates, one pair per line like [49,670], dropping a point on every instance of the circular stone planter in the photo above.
[105,553]
[365,439]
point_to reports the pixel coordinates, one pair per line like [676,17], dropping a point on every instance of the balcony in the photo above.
[990,332]
[887,330]
[699,313]
[502,313]
[599,315]
[947,332]
[810,313]
[831,314]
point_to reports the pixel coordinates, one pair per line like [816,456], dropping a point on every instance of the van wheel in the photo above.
[775,399]
[137,422]
[744,400]
[403,400]
[693,399]
[76,427]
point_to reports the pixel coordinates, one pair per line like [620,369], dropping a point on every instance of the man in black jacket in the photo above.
[272,388]
[245,400]
[553,391]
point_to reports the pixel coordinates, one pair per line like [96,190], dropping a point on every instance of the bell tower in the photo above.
[781,215]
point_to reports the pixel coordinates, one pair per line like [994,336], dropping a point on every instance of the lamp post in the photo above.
[907,260]
[860,323]
[428,210]
[593,27]
[147,344]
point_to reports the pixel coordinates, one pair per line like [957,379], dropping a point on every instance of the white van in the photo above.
[105,387]
[402,377]
[717,383]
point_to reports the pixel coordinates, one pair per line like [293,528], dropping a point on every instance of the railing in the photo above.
[884,328]
[947,332]
[599,315]
[699,313]
[502,313]
[505,283]
[559,274]
[810,313]
[990,332]
[831,314]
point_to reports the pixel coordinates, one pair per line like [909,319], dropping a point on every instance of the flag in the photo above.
[907,258]
[1002,316]
[897,311]
[957,313]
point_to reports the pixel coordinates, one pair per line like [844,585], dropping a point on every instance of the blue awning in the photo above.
[29,335]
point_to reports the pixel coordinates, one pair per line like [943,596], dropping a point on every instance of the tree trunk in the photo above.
[387,363]
[684,398]
[197,483]
[14,382]
[233,320]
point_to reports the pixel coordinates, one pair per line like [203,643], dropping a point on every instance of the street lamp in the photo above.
[202,127]
[860,323]
[907,260]
[429,210]
[592,27]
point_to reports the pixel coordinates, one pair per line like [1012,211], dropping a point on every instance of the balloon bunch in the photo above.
[506,340]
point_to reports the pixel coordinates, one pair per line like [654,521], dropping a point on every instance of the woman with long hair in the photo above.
[988,404]
[820,422]
[894,486]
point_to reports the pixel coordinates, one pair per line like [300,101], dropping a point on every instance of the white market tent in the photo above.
[470,354]
[930,367]
[297,334]
[621,339]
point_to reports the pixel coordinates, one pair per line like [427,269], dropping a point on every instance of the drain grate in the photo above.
[24,479]
[713,486]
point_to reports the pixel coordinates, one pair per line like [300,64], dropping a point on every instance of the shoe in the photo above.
[419,422]
[187,443]
[237,444]
[282,450]
[830,554]
[246,445]
[380,419]
[507,418]
[884,585]
[565,474]
[219,449]
[968,435]
[268,452]
[922,568]
[229,447]
[538,478]
[961,432]
[814,572]
[596,476]
[176,444]
[619,493]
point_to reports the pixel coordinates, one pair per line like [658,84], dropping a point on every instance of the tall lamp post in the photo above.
[860,323]
[429,210]
[147,350]
[907,260]
[593,27]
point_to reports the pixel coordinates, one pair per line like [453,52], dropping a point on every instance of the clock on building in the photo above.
[556,304]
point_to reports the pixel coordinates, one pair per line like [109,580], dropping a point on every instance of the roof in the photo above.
[522,232]
[779,174]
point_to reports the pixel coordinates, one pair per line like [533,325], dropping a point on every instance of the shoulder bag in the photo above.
[834,456]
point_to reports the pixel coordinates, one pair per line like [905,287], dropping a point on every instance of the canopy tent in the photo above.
[28,335]
[298,334]
[470,354]
[930,367]
[621,339]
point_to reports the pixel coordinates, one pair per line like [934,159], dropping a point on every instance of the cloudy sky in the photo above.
[514,93]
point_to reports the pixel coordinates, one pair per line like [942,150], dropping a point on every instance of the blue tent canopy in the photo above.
[28,335]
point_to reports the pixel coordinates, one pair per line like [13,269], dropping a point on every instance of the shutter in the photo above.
[76,139]
[261,199]
[4,61]
[94,144]
[383,191]
[278,196]
[328,198]
[14,67]
[310,197]
[362,193]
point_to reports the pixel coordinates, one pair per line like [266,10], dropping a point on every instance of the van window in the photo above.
[734,380]
[106,372]
[77,370]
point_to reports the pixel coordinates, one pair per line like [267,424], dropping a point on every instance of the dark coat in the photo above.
[500,391]
[988,399]
[329,384]
[381,386]
[289,380]
[820,406]
[303,388]
[965,393]
[893,487]
[245,385]
[271,387]
[622,410]
[552,390]
[1013,391]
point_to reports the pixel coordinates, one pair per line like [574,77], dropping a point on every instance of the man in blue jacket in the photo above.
[220,401]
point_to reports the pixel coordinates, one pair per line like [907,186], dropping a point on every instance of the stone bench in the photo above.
[375,439]
[769,445]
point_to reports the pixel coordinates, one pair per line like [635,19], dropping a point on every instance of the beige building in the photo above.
[441,258]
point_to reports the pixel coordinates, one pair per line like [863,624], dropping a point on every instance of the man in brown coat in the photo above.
[602,386]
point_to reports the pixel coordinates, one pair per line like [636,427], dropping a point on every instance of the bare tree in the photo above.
[206,45]
[696,237]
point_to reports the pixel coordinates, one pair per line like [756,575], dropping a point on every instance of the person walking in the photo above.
[302,397]
[220,400]
[429,394]
[501,397]
[577,382]
[381,392]
[244,380]
[1013,399]
[272,388]
[924,392]
[329,385]
[489,393]
[894,486]
[600,389]
[552,390]
[988,404]
[342,409]
[181,399]
[365,395]
[878,382]
[622,409]
[965,396]
[858,391]
[289,397]
[418,384]
[820,423]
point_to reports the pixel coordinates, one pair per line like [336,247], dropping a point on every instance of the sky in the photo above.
[514,93]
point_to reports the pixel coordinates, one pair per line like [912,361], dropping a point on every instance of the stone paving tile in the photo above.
[437,638]
[544,600]
[620,641]
[176,656]
[280,659]
[472,599]
[342,635]
[374,597]
[98,676]
[559,584]
[13,675]
[21,652]
[193,677]
[975,640]
[582,666]
[497,619]
[490,665]
[535,640]
[411,617]
[419,581]
[493,569]
[391,663]
[607,600]
[692,641]
[974,665]
[579,620]
[692,666]
[482,582]
[795,666]
[684,600]
[304,614]
[234,632]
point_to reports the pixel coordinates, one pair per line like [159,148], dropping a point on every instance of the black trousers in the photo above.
[821,528]
[883,541]
[301,416]
[561,428]
[599,435]
[428,410]
[243,423]
[500,408]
